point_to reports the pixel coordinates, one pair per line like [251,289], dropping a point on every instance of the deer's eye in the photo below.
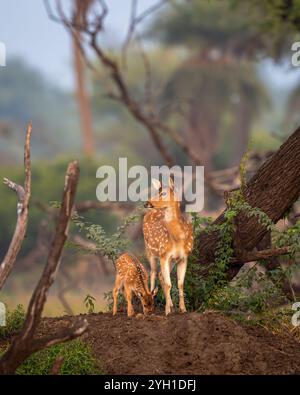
[164,193]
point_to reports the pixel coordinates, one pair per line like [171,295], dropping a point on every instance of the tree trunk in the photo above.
[273,189]
[81,90]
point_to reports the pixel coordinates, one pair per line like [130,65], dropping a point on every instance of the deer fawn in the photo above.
[169,237]
[132,274]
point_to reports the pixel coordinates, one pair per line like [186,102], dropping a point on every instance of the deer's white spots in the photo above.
[168,236]
[132,274]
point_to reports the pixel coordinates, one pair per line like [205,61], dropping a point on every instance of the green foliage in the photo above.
[47,186]
[51,110]
[77,360]
[252,291]
[14,322]
[212,290]
[110,246]
[89,303]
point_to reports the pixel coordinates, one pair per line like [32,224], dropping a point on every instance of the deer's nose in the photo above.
[148,205]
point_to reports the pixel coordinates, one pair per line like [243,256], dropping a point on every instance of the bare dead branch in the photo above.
[24,344]
[117,77]
[23,196]
[131,28]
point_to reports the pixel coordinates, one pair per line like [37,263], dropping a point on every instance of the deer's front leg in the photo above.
[181,270]
[165,270]
[162,283]
[115,293]
[130,310]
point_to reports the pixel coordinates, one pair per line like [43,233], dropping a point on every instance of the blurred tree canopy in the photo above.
[47,186]
[218,82]
[25,95]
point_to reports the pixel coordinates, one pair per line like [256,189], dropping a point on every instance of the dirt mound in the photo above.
[192,343]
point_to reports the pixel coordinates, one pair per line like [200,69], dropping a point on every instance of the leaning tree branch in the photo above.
[273,189]
[260,255]
[23,196]
[24,344]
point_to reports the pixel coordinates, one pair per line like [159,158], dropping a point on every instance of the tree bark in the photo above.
[273,189]
[81,89]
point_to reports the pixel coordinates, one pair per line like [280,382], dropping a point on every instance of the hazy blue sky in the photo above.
[27,32]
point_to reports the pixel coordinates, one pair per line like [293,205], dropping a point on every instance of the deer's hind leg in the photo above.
[118,283]
[181,270]
[165,270]
[153,271]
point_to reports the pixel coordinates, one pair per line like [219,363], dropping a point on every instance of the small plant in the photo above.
[211,289]
[76,356]
[89,303]
[108,297]
[14,322]
[110,246]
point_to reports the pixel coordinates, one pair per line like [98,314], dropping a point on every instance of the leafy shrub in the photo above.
[14,322]
[89,303]
[47,186]
[77,360]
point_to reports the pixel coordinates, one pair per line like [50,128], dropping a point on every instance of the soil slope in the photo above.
[193,343]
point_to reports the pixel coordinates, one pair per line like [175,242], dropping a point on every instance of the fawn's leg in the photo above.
[165,270]
[130,311]
[153,272]
[181,270]
[118,282]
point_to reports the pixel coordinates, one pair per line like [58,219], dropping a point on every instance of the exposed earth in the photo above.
[192,343]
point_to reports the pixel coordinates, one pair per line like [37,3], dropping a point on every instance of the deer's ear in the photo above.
[171,183]
[156,183]
[154,292]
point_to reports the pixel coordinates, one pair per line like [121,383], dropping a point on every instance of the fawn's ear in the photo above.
[156,183]
[154,292]
[171,183]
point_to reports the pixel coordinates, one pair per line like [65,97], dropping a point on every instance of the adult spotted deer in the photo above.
[132,274]
[169,237]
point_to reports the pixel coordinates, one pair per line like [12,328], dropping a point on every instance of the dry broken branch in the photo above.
[24,344]
[23,196]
